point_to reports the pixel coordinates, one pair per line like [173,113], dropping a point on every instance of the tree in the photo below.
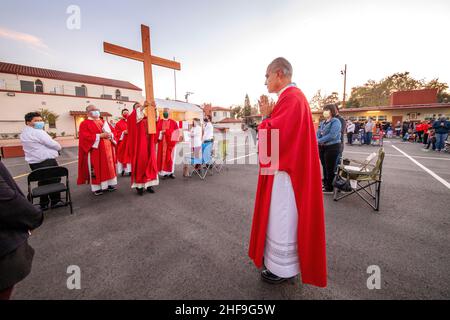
[247,107]
[318,101]
[48,116]
[378,93]
[237,112]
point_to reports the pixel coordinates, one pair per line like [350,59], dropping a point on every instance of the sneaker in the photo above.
[98,193]
[271,278]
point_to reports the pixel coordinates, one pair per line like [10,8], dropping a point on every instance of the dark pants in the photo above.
[328,158]
[368,138]
[6,294]
[425,138]
[54,197]
[350,137]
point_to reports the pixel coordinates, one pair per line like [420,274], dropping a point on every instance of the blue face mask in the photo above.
[39,125]
[95,114]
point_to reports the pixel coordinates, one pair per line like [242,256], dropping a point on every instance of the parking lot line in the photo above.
[26,174]
[434,175]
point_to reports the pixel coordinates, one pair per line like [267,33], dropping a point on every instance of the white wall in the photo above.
[218,116]
[15,108]
[12,82]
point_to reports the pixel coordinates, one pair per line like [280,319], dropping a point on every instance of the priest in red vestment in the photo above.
[121,135]
[288,230]
[142,150]
[96,153]
[168,136]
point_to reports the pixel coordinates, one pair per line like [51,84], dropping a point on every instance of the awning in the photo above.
[178,106]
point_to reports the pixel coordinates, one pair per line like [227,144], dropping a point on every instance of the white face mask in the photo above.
[326,114]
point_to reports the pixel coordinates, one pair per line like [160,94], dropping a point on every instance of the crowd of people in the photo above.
[106,150]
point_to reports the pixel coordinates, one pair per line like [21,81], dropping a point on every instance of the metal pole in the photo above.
[345,86]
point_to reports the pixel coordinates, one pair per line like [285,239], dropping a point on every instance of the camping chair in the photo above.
[49,173]
[364,178]
[220,156]
[206,162]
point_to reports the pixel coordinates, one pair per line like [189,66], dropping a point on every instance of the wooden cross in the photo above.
[146,57]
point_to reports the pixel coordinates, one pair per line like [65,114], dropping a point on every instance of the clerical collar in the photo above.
[285,88]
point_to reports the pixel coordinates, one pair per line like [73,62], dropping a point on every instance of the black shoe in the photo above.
[140,191]
[327,191]
[98,193]
[57,204]
[44,207]
[150,190]
[172,176]
[111,189]
[269,277]
[123,173]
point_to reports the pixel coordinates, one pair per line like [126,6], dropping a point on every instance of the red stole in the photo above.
[142,150]
[299,157]
[102,159]
[167,144]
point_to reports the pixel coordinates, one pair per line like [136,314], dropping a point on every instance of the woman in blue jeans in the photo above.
[329,139]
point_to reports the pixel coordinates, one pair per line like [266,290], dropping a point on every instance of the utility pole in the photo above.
[344,73]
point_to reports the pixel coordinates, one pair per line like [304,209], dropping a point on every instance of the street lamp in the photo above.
[344,73]
[186,96]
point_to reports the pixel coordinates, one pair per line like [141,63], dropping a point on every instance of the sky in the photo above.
[224,47]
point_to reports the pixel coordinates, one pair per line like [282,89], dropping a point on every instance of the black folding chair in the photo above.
[47,174]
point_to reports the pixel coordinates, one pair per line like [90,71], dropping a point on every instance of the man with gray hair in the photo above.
[96,153]
[288,230]
[168,137]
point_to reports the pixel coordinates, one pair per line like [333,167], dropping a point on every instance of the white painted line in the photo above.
[400,156]
[62,165]
[434,175]
[249,155]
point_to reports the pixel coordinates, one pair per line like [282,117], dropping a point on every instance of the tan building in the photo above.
[393,114]
[26,89]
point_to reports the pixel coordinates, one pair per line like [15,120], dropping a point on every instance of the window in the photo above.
[26,86]
[353,118]
[118,94]
[225,114]
[215,114]
[362,118]
[106,96]
[382,118]
[39,86]
[81,91]
[125,99]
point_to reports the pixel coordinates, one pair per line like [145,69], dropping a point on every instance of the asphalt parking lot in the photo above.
[190,239]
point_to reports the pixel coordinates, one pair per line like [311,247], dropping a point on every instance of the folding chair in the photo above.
[201,166]
[364,178]
[220,156]
[49,173]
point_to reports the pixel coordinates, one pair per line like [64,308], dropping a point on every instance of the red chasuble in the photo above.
[142,149]
[165,146]
[102,159]
[299,157]
[122,145]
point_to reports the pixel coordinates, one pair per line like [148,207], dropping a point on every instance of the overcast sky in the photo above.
[225,46]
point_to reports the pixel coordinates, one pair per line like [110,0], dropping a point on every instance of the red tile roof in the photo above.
[220,109]
[230,120]
[65,76]
[84,113]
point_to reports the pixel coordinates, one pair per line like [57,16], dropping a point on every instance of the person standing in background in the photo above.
[350,131]
[41,151]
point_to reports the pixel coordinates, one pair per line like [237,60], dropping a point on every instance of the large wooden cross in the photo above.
[146,57]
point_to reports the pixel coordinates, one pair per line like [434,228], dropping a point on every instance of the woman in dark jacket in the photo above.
[17,218]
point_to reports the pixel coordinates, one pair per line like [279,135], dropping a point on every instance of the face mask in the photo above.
[39,125]
[125,116]
[166,115]
[206,120]
[326,114]
[95,114]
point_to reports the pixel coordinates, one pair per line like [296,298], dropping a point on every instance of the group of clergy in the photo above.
[126,149]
